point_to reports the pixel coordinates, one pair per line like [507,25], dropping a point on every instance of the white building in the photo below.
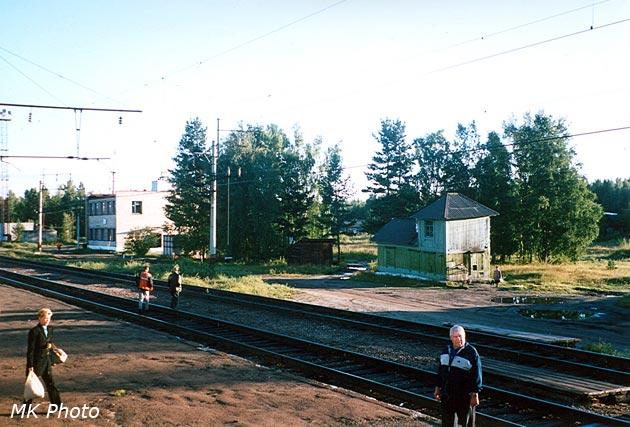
[110,217]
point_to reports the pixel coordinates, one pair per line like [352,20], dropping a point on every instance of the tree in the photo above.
[188,202]
[391,166]
[334,191]
[67,227]
[430,155]
[273,202]
[383,209]
[556,215]
[18,229]
[27,207]
[495,189]
[139,241]
[296,193]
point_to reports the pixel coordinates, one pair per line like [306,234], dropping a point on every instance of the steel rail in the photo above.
[359,372]
[572,361]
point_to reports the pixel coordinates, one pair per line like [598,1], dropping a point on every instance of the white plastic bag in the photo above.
[59,356]
[33,387]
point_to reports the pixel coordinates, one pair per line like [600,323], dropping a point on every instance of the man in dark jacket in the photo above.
[459,381]
[39,354]
[175,286]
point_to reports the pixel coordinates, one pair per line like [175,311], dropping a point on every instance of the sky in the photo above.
[333,69]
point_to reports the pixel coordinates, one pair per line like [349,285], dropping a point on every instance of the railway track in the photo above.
[571,361]
[411,387]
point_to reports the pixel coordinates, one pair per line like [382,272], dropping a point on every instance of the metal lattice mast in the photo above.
[5,117]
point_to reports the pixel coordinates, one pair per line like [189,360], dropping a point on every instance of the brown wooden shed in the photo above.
[311,251]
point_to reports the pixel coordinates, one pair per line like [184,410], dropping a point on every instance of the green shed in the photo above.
[447,240]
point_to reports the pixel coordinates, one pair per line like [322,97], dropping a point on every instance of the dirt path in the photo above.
[137,377]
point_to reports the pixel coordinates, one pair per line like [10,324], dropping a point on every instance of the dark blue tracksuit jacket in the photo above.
[459,373]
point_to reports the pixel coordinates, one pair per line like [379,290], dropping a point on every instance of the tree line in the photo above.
[59,213]
[527,173]
[614,196]
[286,188]
[273,189]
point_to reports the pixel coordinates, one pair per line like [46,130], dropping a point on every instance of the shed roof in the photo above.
[454,206]
[399,231]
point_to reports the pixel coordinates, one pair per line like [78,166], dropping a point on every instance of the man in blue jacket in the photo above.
[459,381]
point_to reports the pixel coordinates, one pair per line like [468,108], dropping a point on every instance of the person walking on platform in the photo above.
[39,354]
[175,286]
[144,281]
[497,276]
[459,380]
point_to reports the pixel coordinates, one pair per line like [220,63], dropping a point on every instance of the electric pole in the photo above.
[41,216]
[212,255]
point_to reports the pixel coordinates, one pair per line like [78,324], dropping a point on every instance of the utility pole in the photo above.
[78,229]
[113,182]
[41,216]
[212,253]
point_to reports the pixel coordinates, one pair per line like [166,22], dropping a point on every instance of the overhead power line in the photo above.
[56,107]
[527,24]
[55,74]
[30,79]
[525,142]
[253,40]
[53,157]
[527,46]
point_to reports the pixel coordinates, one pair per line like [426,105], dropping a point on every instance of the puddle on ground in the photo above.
[557,314]
[529,300]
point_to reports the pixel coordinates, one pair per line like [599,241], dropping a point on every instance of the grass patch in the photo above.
[605,348]
[253,285]
[591,275]
[394,281]
[357,248]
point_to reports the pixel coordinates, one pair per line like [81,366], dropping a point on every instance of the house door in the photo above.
[468,263]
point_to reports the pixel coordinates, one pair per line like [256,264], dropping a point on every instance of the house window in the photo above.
[136,207]
[428,228]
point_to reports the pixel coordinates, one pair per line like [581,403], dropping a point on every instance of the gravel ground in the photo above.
[401,303]
[137,377]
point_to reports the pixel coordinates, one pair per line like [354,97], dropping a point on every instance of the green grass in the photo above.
[357,248]
[394,281]
[605,348]
[593,274]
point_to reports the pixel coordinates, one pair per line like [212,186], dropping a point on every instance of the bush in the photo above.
[139,241]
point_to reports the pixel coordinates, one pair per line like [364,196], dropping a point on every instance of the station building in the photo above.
[110,218]
[449,240]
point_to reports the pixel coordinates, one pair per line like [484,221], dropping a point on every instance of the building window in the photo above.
[136,207]
[110,208]
[428,228]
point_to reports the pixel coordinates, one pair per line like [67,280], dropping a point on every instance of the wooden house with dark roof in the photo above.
[447,240]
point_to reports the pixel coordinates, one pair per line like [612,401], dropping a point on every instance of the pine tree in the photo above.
[189,200]
[334,191]
[391,166]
